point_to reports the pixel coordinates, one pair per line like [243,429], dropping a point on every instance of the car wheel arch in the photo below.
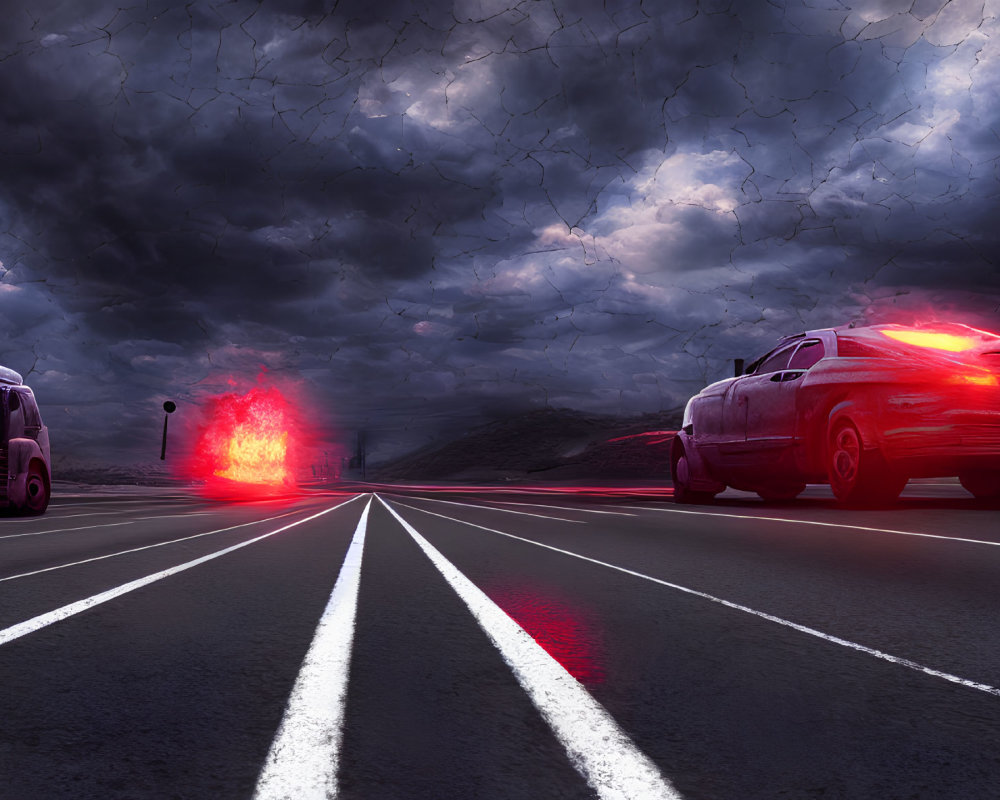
[850,409]
[697,484]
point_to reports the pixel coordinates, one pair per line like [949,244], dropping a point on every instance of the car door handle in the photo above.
[792,375]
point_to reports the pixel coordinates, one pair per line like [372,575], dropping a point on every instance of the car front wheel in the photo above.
[36,490]
[859,477]
[683,493]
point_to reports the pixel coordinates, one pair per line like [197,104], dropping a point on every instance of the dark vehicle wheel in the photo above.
[36,490]
[781,493]
[683,493]
[859,477]
[983,485]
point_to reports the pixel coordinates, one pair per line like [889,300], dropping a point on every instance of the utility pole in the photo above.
[361,453]
[170,407]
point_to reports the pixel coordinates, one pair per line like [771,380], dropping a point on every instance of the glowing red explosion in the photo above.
[247,439]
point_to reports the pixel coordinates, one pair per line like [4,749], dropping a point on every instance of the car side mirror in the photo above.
[738,362]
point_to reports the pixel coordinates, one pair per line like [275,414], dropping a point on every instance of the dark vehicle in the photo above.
[24,447]
[863,409]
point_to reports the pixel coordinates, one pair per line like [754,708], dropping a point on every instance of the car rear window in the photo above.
[775,361]
[809,353]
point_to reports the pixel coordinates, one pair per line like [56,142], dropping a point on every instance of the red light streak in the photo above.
[654,437]
[656,492]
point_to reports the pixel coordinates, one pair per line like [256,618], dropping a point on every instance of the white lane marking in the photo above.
[490,508]
[304,756]
[50,515]
[599,749]
[170,498]
[903,662]
[816,522]
[562,508]
[145,547]
[69,610]
[65,530]
[28,520]
[102,525]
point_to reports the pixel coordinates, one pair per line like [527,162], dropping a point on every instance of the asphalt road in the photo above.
[436,643]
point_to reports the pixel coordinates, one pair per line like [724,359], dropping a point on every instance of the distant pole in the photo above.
[170,407]
[362,446]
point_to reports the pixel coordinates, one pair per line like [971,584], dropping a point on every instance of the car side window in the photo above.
[15,418]
[776,361]
[31,416]
[809,353]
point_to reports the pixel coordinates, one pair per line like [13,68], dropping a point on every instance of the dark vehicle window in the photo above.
[31,415]
[808,354]
[15,419]
[775,361]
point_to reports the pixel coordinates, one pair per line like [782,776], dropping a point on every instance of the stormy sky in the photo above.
[425,214]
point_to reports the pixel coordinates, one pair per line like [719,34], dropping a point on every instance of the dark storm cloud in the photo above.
[431,211]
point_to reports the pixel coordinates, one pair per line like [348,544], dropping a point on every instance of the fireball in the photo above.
[247,438]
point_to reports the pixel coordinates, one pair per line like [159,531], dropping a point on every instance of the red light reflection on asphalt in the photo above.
[564,632]
[589,492]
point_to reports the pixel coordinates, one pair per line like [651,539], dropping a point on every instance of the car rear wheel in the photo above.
[859,477]
[683,493]
[984,485]
[36,495]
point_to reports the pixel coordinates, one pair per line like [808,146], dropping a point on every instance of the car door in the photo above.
[777,421]
[753,404]
[770,404]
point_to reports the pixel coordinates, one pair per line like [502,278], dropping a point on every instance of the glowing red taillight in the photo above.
[936,340]
[975,380]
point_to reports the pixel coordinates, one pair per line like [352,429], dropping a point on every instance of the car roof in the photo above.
[10,377]
[876,331]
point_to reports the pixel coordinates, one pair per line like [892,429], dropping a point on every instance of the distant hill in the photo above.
[545,445]
[156,474]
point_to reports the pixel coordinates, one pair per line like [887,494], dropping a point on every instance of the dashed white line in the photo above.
[102,525]
[491,508]
[69,610]
[304,756]
[903,662]
[815,522]
[562,508]
[65,530]
[143,547]
[599,749]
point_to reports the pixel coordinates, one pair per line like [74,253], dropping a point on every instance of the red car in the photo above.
[863,409]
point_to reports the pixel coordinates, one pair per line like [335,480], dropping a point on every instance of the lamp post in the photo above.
[170,407]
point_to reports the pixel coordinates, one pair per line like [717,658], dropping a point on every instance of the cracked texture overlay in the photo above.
[430,213]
